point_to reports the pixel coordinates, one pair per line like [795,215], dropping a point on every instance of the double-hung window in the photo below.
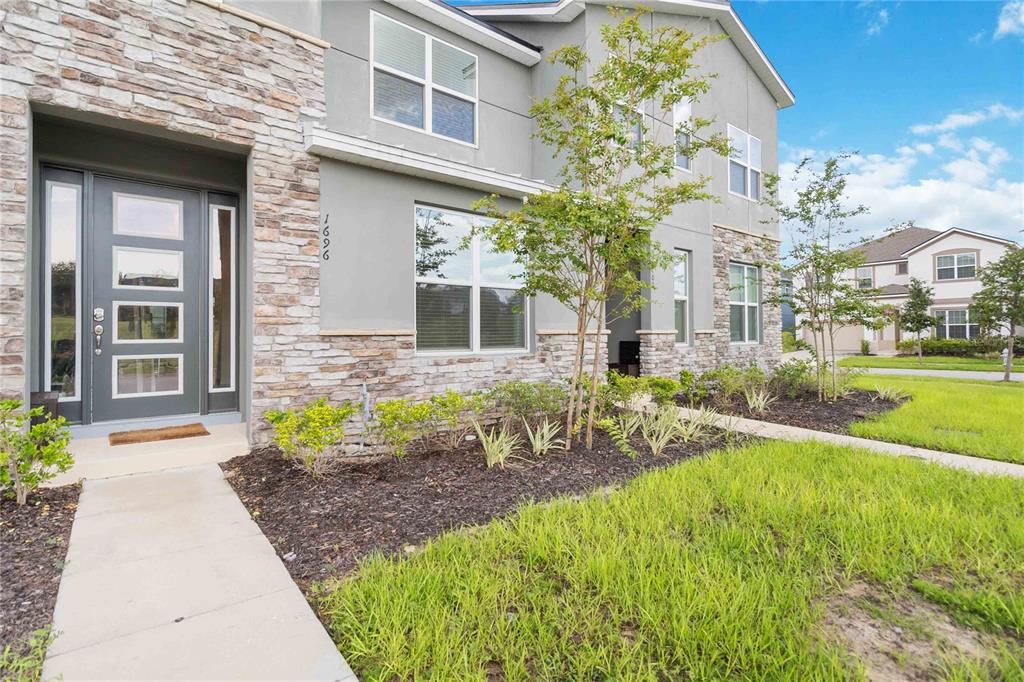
[744,303]
[744,164]
[955,324]
[865,277]
[681,294]
[956,266]
[467,299]
[422,82]
[681,124]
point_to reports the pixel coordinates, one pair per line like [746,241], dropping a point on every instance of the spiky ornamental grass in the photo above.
[716,568]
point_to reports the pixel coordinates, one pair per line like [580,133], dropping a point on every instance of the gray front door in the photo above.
[144,320]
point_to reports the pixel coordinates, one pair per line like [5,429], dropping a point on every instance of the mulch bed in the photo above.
[33,544]
[808,413]
[322,527]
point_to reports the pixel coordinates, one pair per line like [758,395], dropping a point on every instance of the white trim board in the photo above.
[961,231]
[366,152]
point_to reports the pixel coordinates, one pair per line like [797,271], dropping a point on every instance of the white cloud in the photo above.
[958,120]
[963,193]
[976,38]
[879,22]
[949,141]
[1011,20]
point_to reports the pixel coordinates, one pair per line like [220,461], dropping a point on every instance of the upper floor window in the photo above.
[681,293]
[744,302]
[422,82]
[634,122]
[956,266]
[901,268]
[681,123]
[467,299]
[744,164]
[955,324]
[865,277]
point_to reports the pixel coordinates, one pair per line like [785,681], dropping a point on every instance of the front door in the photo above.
[144,314]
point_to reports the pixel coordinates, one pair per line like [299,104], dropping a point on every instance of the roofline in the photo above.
[471,28]
[969,233]
[891,261]
[567,10]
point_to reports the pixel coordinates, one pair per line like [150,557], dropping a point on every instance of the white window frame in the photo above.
[685,297]
[475,283]
[162,304]
[746,305]
[427,82]
[734,132]
[681,114]
[871,276]
[117,225]
[967,324]
[138,249]
[956,266]
[48,293]
[234,299]
[121,396]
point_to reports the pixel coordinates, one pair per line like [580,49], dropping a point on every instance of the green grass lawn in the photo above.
[981,418]
[724,567]
[929,362]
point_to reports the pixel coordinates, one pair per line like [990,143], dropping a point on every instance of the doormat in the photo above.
[150,435]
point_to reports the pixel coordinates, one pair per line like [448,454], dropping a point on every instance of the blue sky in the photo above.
[930,95]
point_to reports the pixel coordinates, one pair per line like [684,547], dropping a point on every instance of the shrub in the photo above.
[724,382]
[691,387]
[754,377]
[890,393]
[499,444]
[452,415]
[307,436]
[30,454]
[662,389]
[789,342]
[621,390]
[398,422]
[620,428]
[758,400]
[960,347]
[544,437]
[659,427]
[531,402]
[865,347]
[792,379]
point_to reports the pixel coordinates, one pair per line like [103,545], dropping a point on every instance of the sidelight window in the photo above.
[63,283]
[222,298]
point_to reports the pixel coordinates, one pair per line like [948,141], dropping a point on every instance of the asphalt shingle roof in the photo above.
[893,289]
[892,246]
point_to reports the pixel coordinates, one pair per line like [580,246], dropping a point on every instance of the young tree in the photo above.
[591,235]
[824,296]
[999,306]
[914,316]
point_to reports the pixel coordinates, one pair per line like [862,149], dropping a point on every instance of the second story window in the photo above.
[681,123]
[901,268]
[422,82]
[956,266]
[865,277]
[634,122]
[744,164]
[681,294]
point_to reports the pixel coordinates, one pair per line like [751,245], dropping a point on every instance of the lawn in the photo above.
[981,418]
[929,362]
[764,563]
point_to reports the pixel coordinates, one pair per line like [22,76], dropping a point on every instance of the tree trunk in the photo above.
[577,370]
[1009,355]
[832,355]
[920,349]
[592,405]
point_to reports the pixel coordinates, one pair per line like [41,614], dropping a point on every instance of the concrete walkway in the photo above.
[944,373]
[783,432]
[167,577]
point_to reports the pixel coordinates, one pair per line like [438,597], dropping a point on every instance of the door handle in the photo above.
[98,337]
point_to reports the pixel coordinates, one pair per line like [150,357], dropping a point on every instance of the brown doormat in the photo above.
[149,435]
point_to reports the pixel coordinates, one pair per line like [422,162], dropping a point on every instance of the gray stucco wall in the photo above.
[503,87]
[301,15]
[368,282]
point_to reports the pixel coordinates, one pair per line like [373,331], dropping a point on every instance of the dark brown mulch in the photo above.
[322,527]
[808,413]
[33,543]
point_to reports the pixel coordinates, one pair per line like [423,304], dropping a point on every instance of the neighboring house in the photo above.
[948,261]
[211,209]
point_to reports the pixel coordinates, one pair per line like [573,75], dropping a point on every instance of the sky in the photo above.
[929,96]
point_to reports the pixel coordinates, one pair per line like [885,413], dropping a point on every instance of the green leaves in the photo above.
[306,436]
[30,454]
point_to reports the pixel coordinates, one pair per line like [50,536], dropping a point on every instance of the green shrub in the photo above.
[308,436]
[499,444]
[452,415]
[30,454]
[961,347]
[544,437]
[691,387]
[865,347]
[793,378]
[662,389]
[660,427]
[724,382]
[788,342]
[398,422]
[620,428]
[532,402]
[620,389]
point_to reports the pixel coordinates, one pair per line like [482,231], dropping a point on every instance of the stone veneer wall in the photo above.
[659,354]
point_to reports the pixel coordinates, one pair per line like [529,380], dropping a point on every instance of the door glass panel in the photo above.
[62,213]
[147,269]
[148,322]
[147,216]
[151,375]
[222,273]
